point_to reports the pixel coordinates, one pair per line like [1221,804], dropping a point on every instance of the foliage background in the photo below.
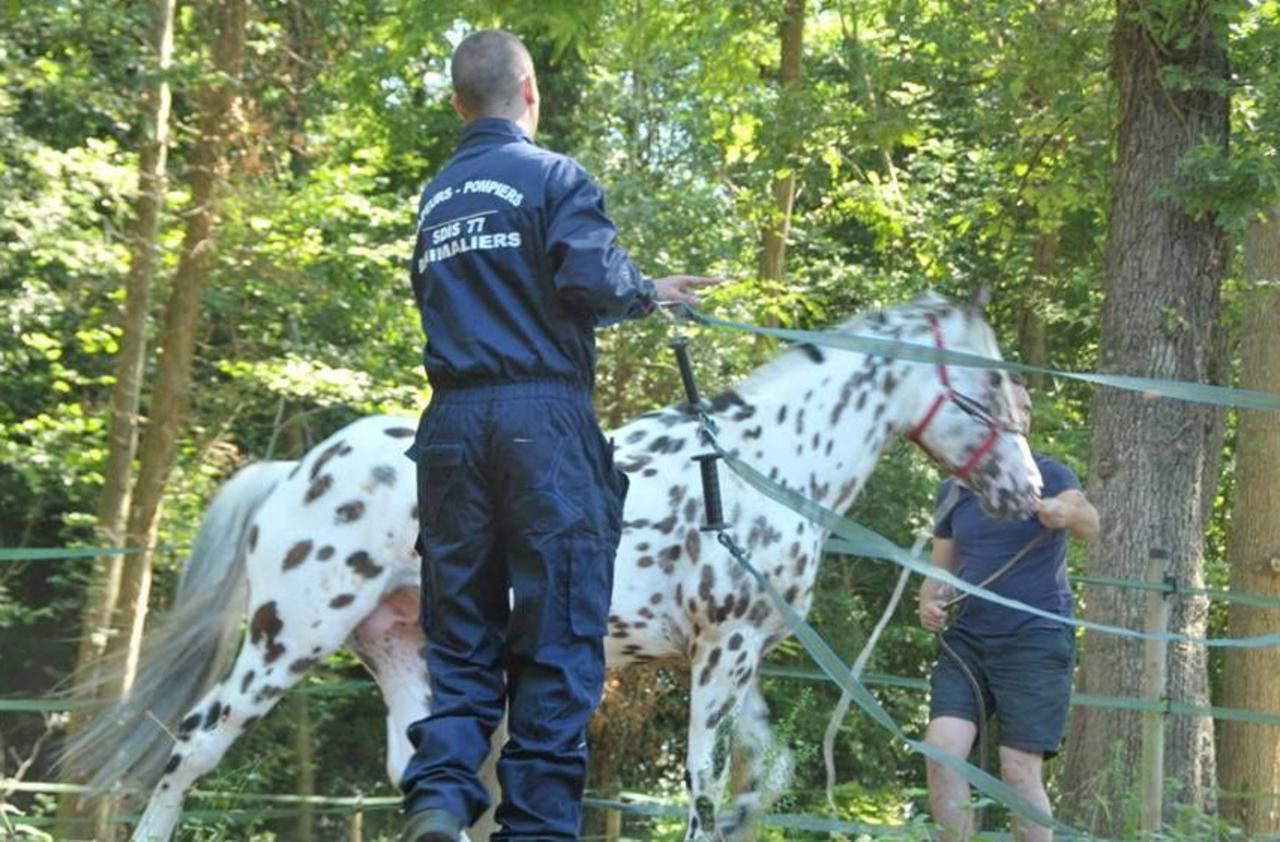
[936,145]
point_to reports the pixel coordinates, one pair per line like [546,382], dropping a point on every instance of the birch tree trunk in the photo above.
[122,434]
[217,109]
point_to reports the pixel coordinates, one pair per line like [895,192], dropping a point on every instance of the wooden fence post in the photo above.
[1154,675]
[613,825]
[305,824]
[355,828]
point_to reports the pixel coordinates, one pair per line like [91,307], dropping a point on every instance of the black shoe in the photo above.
[432,826]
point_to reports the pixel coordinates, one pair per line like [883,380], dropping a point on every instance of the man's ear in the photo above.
[460,108]
[529,90]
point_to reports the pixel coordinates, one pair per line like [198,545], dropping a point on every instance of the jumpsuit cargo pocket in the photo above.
[438,469]
[590,587]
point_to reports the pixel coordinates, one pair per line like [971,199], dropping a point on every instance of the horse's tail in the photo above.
[185,655]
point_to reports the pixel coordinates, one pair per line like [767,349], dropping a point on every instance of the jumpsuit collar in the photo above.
[488,131]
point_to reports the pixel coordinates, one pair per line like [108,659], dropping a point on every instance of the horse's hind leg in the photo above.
[279,649]
[389,642]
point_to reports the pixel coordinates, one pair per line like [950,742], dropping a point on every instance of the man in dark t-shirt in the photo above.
[1023,663]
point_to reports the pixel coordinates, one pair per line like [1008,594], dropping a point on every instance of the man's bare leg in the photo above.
[948,790]
[1024,771]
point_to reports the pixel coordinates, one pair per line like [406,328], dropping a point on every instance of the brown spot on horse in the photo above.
[264,628]
[349,512]
[362,563]
[317,488]
[297,554]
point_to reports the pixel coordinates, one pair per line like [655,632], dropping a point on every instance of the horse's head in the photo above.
[970,421]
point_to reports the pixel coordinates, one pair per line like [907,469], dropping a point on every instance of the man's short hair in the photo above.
[487,69]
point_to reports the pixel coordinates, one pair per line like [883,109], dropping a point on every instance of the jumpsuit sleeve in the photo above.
[592,273]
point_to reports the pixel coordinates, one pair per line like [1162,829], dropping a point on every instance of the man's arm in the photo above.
[1071,511]
[591,269]
[592,272]
[933,614]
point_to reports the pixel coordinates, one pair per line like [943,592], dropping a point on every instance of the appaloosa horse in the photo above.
[319,553]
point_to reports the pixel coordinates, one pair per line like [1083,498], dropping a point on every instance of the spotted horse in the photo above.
[310,556]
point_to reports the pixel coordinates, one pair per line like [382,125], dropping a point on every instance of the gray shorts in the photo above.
[1025,679]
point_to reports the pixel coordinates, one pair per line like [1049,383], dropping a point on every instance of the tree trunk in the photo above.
[598,824]
[1251,753]
[122,435]
[1033,333]
[177,340]
[870,95]
[1147,465]
[299,64]
[773,241]
[604,758]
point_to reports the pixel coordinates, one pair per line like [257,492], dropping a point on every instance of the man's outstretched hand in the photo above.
[681,289]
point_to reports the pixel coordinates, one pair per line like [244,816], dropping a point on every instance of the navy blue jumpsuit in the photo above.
[516,264]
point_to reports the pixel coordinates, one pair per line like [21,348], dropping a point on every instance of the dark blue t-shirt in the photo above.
[983,544]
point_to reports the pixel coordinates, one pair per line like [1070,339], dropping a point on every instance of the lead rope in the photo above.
[842,707]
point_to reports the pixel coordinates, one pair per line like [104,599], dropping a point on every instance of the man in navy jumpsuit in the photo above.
[515,266]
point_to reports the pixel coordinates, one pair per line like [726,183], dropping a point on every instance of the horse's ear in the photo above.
[979,298]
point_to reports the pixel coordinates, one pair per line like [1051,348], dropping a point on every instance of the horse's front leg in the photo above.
[713,709]
[766,766]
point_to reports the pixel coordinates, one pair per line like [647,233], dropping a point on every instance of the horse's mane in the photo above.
[876,322]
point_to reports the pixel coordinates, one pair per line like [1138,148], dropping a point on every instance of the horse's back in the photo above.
[345,518]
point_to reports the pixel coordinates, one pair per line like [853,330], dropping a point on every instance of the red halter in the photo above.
[966,404]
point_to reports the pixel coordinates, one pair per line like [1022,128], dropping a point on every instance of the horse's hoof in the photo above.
[737,821]
[700,835]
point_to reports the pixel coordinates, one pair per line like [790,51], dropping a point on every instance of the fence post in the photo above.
[305,824]
[1154,679]
[355,828]
[612,825]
